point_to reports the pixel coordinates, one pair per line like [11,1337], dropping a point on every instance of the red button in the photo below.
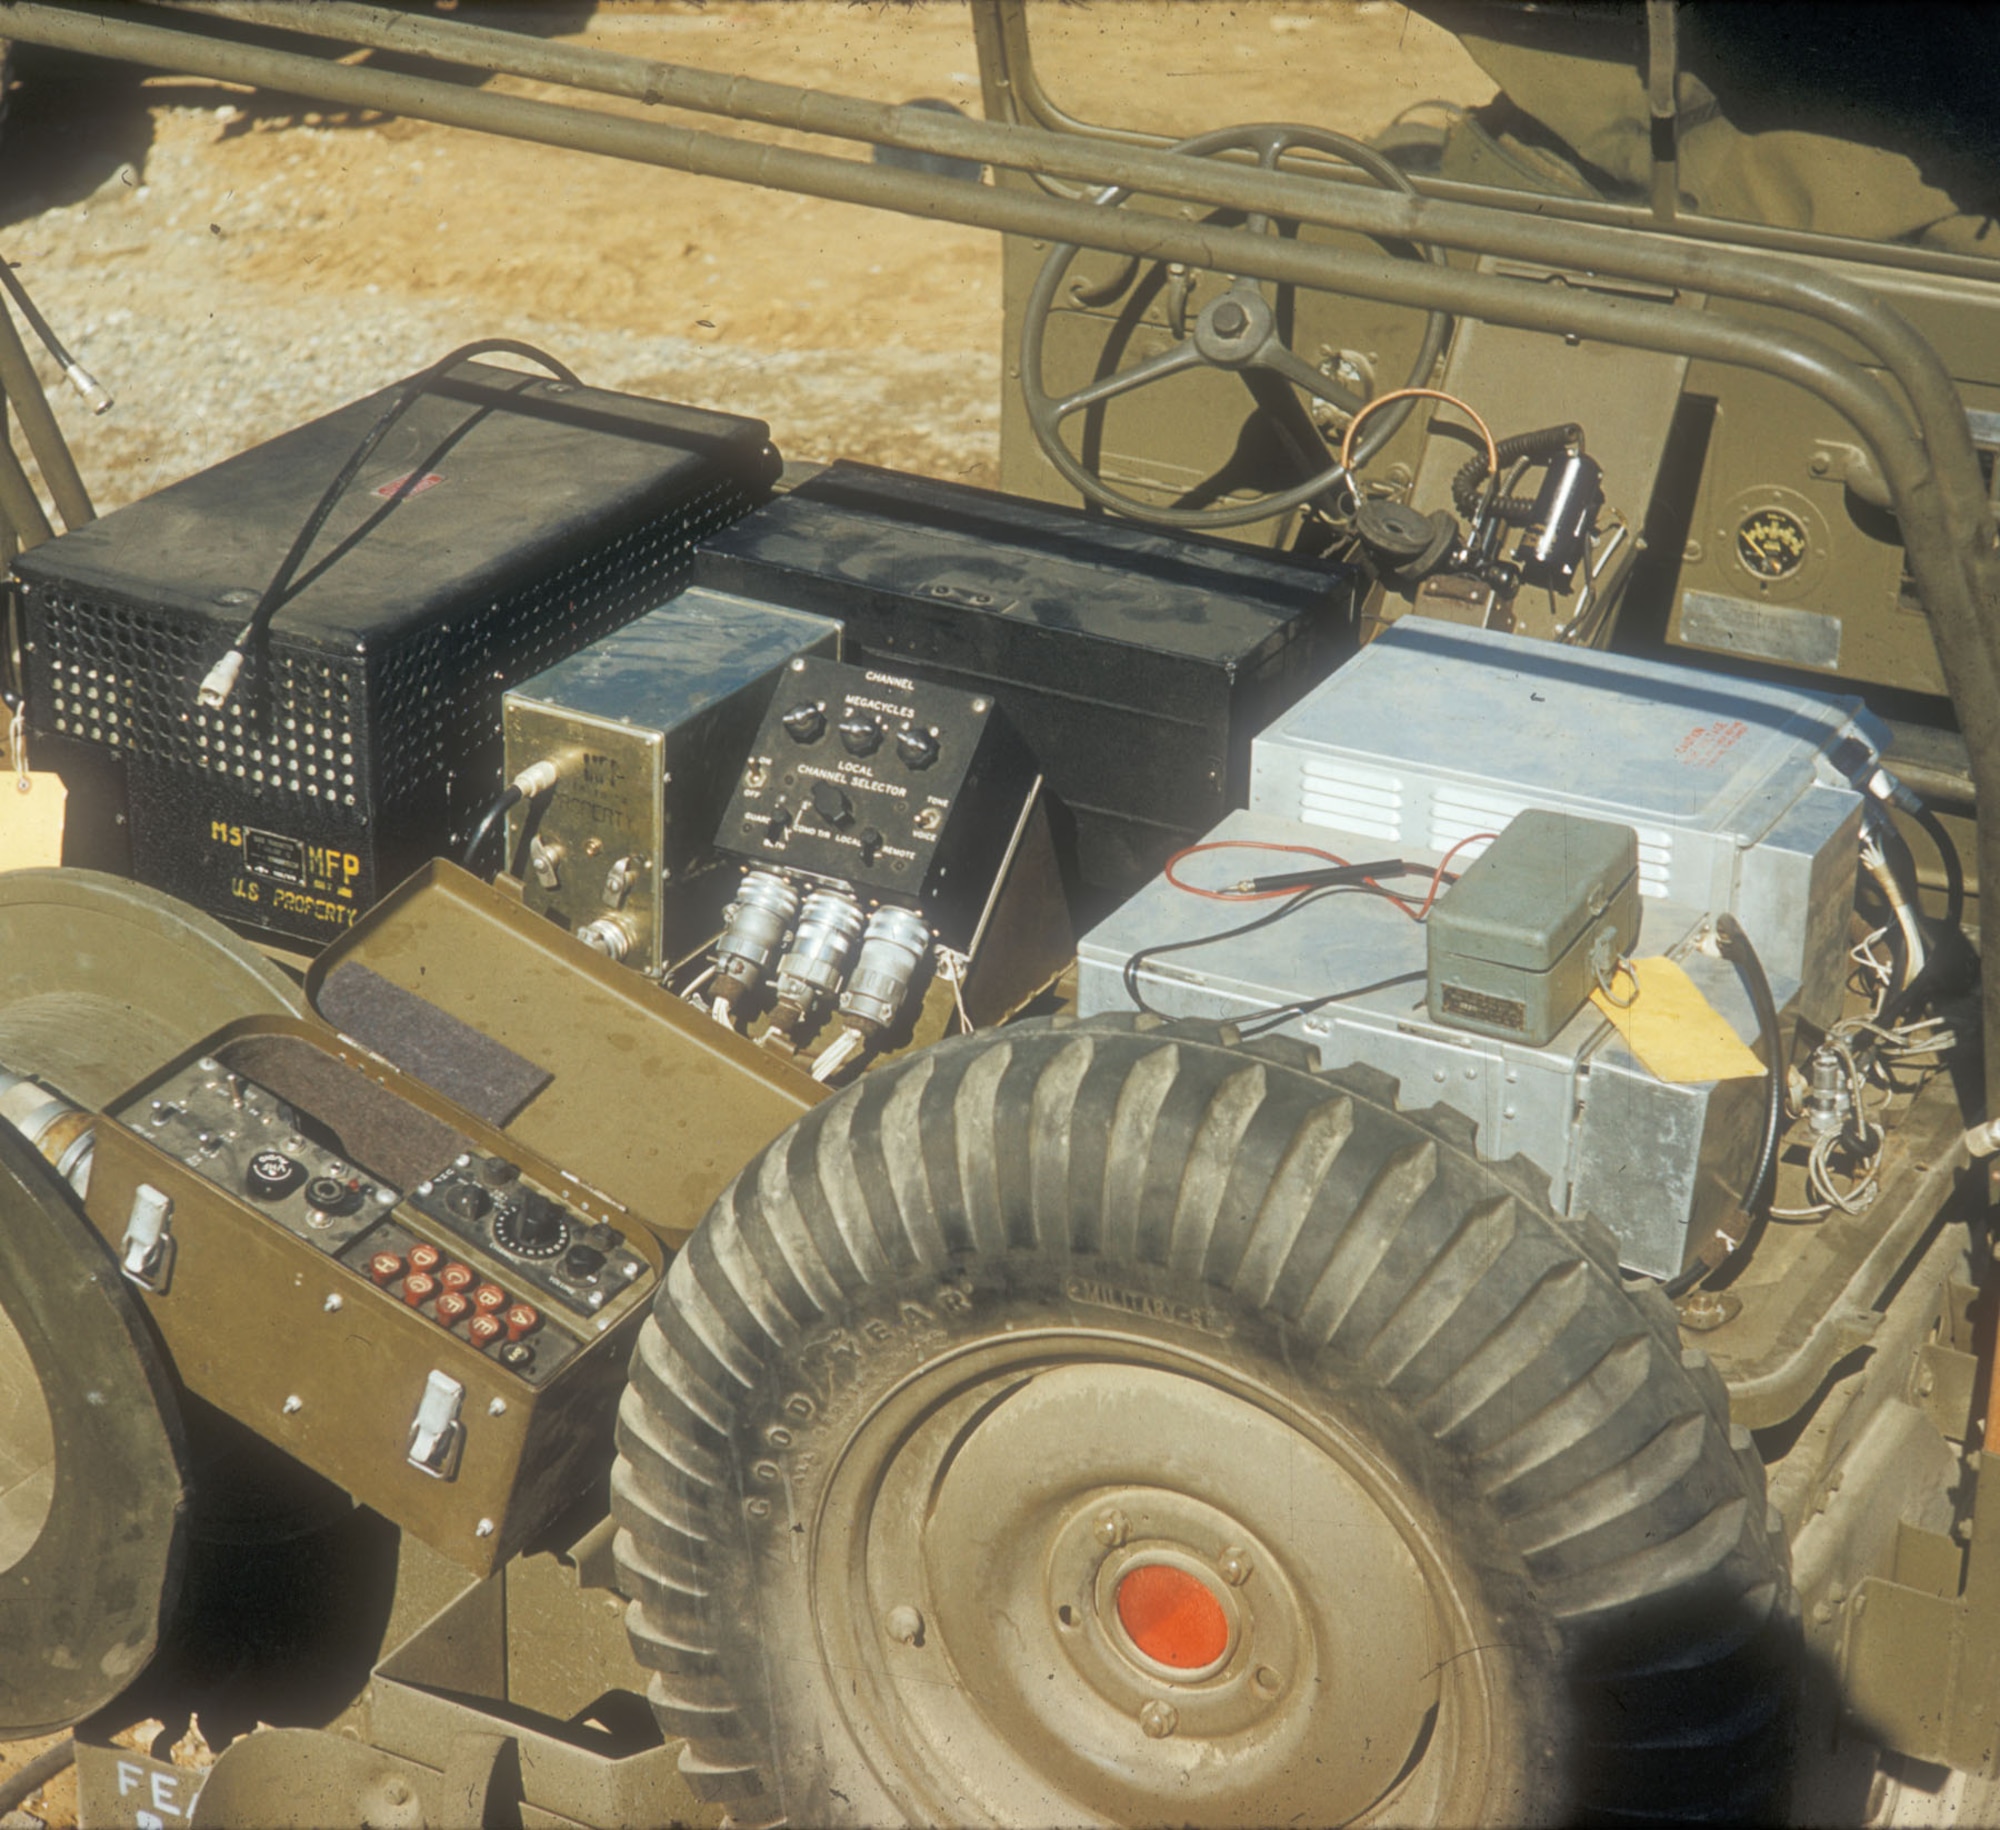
[385,1267]
[521,1319]
[424,1257]
[484,1330]
[457,1276]
[453,1306]
[418,1289]
[489,1297]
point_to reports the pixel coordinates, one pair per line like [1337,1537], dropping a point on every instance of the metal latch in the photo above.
[436,1434]
[146,1253]
[545,860]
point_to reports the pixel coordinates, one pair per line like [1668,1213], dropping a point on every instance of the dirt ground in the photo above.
[229,264]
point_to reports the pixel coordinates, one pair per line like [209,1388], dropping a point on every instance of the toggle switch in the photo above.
[435,1431]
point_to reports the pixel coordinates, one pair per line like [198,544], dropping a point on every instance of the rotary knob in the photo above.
[532,1228]
[917,747]
[331,1196]
[833,804]
[468,1201]
[271,1175]
[860,734]
[804,723]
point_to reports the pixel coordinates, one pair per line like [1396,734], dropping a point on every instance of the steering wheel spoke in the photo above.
[1294,368]
[1167,362]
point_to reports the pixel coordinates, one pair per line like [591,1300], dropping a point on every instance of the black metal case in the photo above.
[364,734]
[1135,664]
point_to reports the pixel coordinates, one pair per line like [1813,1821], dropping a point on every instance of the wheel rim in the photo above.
[989,1561]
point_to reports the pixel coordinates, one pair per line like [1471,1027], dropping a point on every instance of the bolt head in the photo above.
[1158,1720]
[332,1305]
[1233,1566]
[905,1625]
[1111,1528]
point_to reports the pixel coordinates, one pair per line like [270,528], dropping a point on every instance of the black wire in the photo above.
[485,826]
[1684,1280]
[1277,1014]
[1281,1014]
[1954,866]
[36,322]
[1736,948]
[1951,960]
[1540,446]
[406,397]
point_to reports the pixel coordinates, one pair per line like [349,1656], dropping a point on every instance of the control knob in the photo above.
[804,723]
[833,804]
[468,1201]
[917,747]
[533,1227]
[860,734]
[271,1175]
[331,1196]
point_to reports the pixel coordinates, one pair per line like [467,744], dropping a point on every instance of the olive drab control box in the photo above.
[409,1239]
[1544,914]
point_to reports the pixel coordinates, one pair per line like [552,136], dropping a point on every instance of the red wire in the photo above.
[1438,879]
[1304,851]
[1309,851]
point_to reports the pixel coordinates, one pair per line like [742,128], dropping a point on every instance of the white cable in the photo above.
[1876,864]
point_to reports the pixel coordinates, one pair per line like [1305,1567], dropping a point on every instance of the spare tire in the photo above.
[1093,1422]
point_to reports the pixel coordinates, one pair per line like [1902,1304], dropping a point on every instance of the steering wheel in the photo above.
[1238,330]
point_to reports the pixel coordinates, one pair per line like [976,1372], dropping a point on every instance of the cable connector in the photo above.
[1887,789]
[95,395]
[1868,774]
[845,1047]
[536,778]
[220,681]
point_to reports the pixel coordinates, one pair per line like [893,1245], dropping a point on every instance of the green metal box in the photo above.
[1537,920]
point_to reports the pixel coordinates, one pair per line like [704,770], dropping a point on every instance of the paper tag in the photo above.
[31,824]
[1675,1031]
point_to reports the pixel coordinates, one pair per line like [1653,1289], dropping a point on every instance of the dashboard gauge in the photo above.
[1772,543]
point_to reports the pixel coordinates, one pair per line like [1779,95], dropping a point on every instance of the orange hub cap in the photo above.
[1172,1617]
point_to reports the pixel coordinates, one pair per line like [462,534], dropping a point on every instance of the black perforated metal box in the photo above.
[364,735]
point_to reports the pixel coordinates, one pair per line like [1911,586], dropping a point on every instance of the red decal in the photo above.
[1707,744]
[429,480]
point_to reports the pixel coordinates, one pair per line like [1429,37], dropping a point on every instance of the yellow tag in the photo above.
[31,824]
[1673,1029]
